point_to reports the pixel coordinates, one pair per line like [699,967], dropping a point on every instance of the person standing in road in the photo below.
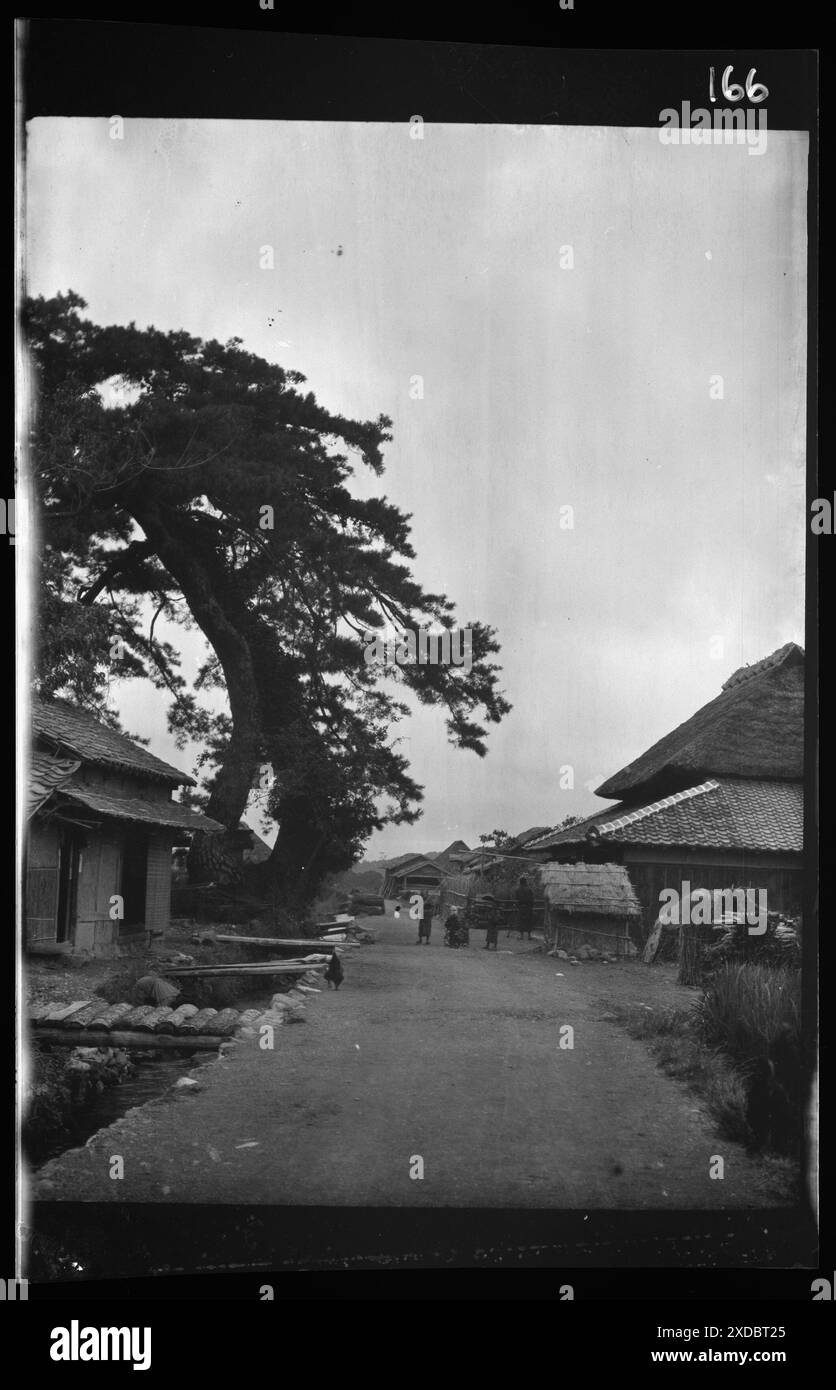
[452,929]
[525,908]
[419,908]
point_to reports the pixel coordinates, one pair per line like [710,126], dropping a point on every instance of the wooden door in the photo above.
[41,904]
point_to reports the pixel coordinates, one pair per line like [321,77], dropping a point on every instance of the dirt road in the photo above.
[450,1057]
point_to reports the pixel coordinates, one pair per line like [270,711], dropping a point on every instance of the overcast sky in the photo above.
[544,387]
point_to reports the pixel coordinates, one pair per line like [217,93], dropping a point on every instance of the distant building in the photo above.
[451,858]
[101,829]
[412,873]
[718,802]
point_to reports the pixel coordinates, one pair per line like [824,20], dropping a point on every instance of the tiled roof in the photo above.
[67,727]
[722,813]
[45,774]
[133,808]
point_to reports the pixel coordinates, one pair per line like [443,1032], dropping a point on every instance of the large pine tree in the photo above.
[197,481]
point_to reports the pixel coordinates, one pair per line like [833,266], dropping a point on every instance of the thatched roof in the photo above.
[721,813]
[754,728]
[602,889]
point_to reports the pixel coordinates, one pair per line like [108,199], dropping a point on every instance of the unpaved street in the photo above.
[450,1056]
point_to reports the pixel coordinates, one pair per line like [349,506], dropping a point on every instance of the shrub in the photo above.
[745,1007]
[753,1012]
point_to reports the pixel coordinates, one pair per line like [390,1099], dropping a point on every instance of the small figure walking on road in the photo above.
[335,973]
[525,908]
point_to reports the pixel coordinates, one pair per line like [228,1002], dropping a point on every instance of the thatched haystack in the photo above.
[589,905]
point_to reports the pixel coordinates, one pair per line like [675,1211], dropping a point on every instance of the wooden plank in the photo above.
[236,965]
[220,972]
[103,1037]
[196,1024]
[175,1018]
[109,1017]
[267,940]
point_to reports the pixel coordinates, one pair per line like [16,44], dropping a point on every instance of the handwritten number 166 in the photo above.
[755,91]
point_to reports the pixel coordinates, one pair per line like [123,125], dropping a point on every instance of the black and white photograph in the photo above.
[412,525]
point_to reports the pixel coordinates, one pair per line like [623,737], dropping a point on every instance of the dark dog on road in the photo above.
[334,974]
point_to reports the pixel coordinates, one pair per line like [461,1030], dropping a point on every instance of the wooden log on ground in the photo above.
[109,1017]
[104,1037]
[57,1014]
[266,940]
[135,1016]
[82,1017]
[175,1018]
[158,1015]
[220,972]
[196,1024]
[223,1025]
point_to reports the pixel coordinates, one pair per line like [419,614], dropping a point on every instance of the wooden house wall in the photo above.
[422,881]
[118,783]
[784,884]
[99,878]
[652,870]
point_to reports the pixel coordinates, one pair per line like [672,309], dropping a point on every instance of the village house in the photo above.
[451,858]
[101,826]
[412,873]
[719,802]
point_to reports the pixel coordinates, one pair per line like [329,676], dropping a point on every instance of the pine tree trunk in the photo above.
[211,856]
